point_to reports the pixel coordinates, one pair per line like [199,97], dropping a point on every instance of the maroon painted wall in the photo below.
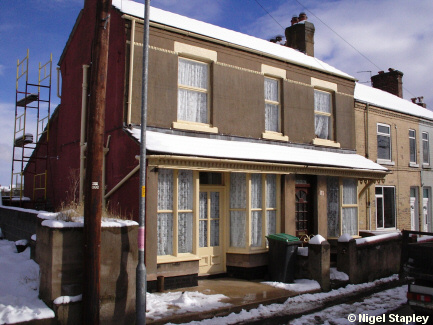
[64,140]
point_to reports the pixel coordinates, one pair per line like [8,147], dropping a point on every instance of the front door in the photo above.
[304,210]
[210,231]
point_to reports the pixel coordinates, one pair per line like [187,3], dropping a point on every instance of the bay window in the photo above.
[253,209]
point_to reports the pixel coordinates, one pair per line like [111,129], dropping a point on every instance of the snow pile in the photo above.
[300,286]
[345,238]
[317,240]
[337,275]
[54,220]
[66,299]
[374,239]
[19,287]
[159,304]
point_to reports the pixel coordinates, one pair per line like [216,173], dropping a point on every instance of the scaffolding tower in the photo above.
[31,130]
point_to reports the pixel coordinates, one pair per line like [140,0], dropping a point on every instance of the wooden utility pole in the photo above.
[94,160]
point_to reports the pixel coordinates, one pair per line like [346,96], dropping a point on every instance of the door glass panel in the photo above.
[203,219]
[214,218]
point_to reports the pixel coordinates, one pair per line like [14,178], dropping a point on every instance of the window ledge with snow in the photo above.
[412,164]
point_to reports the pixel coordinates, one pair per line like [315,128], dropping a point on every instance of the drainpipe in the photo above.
[131,72]
[106,150]
[58,83]
[367,155]
[83,144]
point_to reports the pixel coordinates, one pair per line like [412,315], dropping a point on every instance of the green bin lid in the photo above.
[283,237]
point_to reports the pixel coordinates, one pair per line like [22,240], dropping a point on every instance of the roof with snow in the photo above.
[389,101]
[247,42]
[233,149]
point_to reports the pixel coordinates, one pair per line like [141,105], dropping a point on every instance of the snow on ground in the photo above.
[19,286]
[158,305]
[303,303]
[374,305]
[301,285]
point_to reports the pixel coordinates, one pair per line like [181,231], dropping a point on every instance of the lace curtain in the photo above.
[203,219]
[322,103]
[192,104]
[237,201]
[271,110]
[215,215]
[165,220]
[256,216]
[350,214]
[271,203]
[185,195]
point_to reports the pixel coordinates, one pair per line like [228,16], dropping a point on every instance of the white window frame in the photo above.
[270,134]
[331,130]
[382,196]
[248,215]
[412,143]
[379,133]
[425,142]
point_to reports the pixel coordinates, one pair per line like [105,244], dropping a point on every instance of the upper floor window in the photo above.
[425,149]
[272,105]
[323,114]
[412,146]
[193,91]
[383,142]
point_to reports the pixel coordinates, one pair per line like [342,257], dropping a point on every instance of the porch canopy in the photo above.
[169,150]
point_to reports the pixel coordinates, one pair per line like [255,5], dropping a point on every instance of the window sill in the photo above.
[426,166]
[414,165]
[200,127]
[274,136]
[326,143]
[250,251]
[385,162]
[175,259]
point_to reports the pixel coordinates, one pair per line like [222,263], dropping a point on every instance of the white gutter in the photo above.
[131,68]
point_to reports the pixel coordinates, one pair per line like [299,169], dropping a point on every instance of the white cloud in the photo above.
[391,33]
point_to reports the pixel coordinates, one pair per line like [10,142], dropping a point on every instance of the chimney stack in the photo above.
[300,35]
[390,81]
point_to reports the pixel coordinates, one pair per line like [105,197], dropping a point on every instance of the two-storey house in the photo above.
[395,133]
[245,138]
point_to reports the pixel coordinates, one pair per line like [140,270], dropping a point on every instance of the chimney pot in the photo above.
[303,16]
[294,20]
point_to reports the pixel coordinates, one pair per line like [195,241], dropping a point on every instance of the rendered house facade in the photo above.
[245,138]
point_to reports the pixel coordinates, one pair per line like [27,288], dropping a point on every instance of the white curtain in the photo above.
[165,189]
[237,228]
[350,191]
[185,190]
[238,201]
[192,104]
[271,203]
[165,233]
[256,191]
[165,220]
[350,214]
[185,195]
[271,110]
[322,103]
[350,221]
[256,228]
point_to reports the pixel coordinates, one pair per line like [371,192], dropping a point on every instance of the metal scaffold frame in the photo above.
[32,113]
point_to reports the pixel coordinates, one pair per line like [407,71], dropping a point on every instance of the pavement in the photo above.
[246,295]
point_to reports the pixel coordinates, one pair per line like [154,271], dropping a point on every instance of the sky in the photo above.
[359,37]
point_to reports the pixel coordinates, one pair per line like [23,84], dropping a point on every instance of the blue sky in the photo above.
[390,33]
